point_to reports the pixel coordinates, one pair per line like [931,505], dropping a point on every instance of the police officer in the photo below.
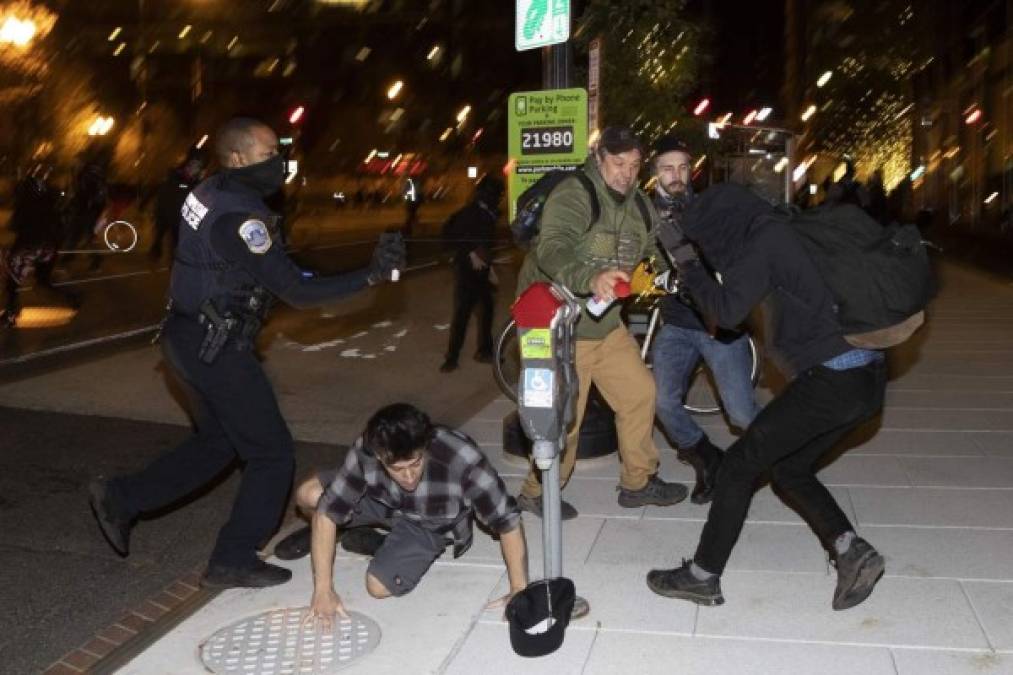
[227,267]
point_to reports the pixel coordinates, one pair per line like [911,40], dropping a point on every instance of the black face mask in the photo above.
[265,177]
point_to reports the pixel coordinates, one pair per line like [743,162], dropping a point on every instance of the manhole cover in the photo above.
[276,643]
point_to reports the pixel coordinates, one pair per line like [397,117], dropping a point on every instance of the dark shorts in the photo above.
[408,551]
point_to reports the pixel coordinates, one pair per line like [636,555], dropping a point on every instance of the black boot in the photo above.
[705,458]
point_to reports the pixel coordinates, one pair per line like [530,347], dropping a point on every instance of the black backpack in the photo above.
[880,277]
[525,225]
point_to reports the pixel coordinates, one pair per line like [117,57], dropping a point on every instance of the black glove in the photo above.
[670,234]
[389,255]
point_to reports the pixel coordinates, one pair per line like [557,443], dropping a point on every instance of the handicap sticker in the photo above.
[538,389]
[536,343]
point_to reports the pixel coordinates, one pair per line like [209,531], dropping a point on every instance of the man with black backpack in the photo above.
[594,228]
[834,387]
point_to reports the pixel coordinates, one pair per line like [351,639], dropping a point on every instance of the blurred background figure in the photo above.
[88,202]
[470,231]
[37,227]
[169,201]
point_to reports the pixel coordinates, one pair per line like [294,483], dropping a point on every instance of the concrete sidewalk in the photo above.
[932,489]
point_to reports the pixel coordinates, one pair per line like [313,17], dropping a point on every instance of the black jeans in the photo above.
[788,438]
[471,288]
[236,415]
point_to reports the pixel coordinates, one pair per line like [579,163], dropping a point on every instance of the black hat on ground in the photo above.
[616,140]
[539,615]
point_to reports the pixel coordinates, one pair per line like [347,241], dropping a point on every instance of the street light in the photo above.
[17,32]
[809,112]
[824,78]
[394,90]
[100,126]
[463,114]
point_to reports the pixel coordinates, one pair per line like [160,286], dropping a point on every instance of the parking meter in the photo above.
[545,315]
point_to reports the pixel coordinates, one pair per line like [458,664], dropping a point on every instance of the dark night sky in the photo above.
[748,54]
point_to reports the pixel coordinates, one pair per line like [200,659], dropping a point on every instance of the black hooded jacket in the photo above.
[751,245]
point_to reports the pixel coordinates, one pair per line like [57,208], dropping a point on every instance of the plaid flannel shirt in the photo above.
[457,484]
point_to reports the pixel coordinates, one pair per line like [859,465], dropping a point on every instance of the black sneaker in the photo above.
[295,545]
[260,575]
[656,493]
[682,584]
[534,505]
[111,517]
[858,570]
[362,540]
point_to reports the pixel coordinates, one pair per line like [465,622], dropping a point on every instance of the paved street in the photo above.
[112,408]
[930,484]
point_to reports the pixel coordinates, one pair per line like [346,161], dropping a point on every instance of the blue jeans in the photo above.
[675,353]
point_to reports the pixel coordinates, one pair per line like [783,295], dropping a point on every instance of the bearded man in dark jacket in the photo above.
[833,388]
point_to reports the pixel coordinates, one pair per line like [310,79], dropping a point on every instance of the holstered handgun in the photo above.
[218,328]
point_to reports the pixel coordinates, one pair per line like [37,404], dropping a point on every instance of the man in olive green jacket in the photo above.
[589,259]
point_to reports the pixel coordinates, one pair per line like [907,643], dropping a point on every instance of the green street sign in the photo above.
[541,23]
[547,130]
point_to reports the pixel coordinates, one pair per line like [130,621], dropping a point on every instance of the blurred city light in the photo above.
[119,48]
[991,198]
[446,134]
[472,172]
[702,106]
[813,188]
[973,117]
[16,31]
[952,152]
[824,78]
[232,43]
[44,317]
[186,31]
[809,112]
[724,119]
[100,126]
[764,113]
[202,141]
[394,90]
[370,156]
[750,116]
[918,172]
[116,32]
[433,53]
[296,115]
[781,164]
[463,114]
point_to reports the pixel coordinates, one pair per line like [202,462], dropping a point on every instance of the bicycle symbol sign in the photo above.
[541,23]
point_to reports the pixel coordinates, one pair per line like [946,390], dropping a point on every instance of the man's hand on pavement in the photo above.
[603,284]
[324,606]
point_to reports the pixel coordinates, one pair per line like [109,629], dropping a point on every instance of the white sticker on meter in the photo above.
[538,387]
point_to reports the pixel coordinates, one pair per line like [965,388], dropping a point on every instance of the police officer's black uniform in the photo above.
[227,266]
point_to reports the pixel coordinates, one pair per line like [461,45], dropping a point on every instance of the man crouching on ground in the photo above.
[423,483]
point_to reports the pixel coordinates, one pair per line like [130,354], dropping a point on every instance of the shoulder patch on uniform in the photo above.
[255,235]
[193,211]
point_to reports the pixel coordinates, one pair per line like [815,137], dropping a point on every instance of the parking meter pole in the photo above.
[552,519]
[545,315]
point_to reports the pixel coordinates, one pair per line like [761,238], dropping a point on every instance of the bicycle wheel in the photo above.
[701,392]
[506,362]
